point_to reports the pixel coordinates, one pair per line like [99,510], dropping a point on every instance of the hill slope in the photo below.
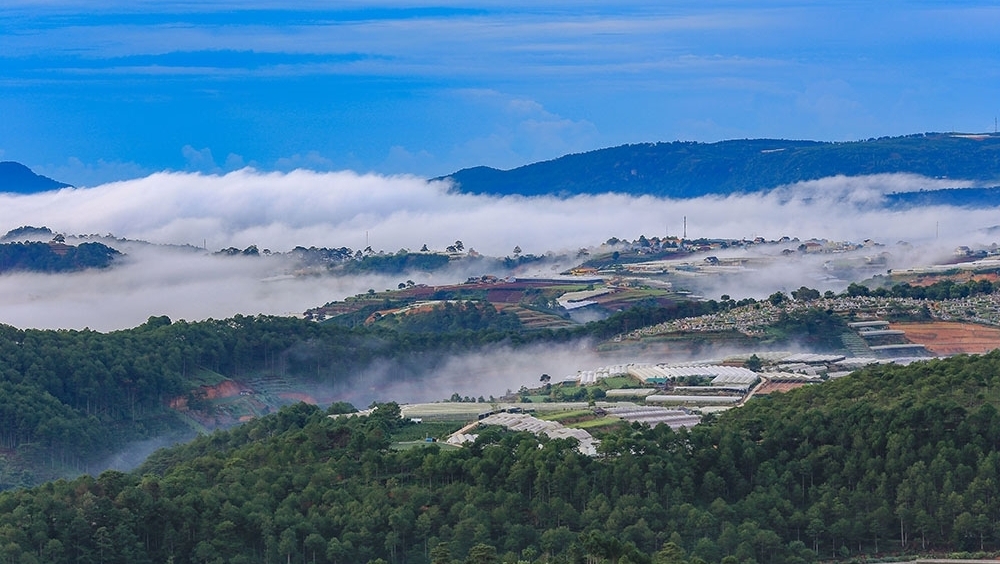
[19,179]
[689,169]
[892,459]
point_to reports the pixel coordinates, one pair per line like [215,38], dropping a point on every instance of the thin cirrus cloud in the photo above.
[422,42]
[379,86]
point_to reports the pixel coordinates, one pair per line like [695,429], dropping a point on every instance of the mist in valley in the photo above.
[190,215]
[168,226]
[189,284]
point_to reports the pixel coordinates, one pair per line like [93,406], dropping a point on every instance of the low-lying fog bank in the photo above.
[280,211]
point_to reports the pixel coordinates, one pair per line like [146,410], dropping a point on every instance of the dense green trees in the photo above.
[940,290]
[44,257]
[892,459]
[685,169]
[67,397]
[817,329]
[398,263]
[452,317]
[643,315]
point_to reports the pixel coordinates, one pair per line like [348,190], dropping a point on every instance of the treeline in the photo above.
[398,263]
[348,261]
[344,260]
[815,329]
[686,169]
[941,290]
[45,257]
[451,317]
[643,315]
[68,397]
[889,460]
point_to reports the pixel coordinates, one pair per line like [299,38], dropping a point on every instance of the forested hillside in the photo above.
[55,257]
[891,459]
[68,398]
[687,169]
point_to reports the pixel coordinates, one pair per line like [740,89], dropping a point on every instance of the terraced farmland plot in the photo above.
[533,319]
[948,337]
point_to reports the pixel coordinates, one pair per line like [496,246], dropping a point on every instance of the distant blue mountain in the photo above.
[957,197]
[689,169]
[19,179]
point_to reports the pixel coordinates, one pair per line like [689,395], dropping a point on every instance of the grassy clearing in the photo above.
[564,415]
[532,319]
[617,382]
[598,422]
[456,411]
[418,444]
[420,431]
[445,411]
[205,377]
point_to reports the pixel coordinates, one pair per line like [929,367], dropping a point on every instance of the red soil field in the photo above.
[960,278]
[950,337]
[504,295]
[224,389]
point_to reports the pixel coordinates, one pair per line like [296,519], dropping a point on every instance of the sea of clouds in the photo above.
[188,216]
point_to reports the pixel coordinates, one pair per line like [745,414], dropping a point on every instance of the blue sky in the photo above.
[90,95]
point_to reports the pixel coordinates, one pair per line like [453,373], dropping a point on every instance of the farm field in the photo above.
[950,337]
[457,410]
[777,387]
[536,302]
[533,319]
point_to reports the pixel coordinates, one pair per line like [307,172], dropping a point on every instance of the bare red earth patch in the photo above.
[949,337]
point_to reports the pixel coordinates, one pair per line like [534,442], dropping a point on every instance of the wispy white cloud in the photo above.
[199,160]
[518,130]
[75,171]
[389,41]
[491,371]
[372,73]
[311,161]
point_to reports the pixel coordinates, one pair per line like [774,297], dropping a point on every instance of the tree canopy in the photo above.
[891,459]
[55,257]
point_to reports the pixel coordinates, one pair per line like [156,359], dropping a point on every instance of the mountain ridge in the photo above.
[19,179]
[688,169]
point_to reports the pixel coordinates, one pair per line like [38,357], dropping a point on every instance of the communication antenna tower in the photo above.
[685,227]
